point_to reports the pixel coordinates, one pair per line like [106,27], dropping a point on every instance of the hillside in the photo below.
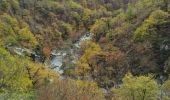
[84,49]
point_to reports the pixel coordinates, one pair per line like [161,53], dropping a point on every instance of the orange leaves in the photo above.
[51,15]
[46,50]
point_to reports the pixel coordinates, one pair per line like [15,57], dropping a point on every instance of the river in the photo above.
[58,58]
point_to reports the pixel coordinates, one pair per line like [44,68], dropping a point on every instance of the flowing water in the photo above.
[58,57]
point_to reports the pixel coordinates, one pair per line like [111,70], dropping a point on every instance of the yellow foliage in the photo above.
[27,35]
[91,50]
[15,32]
[100,26]
[147,30]
[137,88]
[13,72]
[90,88]
[39,74]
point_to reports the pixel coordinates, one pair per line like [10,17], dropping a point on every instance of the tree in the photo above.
[67,89]
[14,80]
[99,28]
[166,90]
[169,7]
[165,4]
[107,67]
[65,29]
[15,32]
[90,50]
[90,90]
[4,6]
[155,31]
[137,88]
[148,29]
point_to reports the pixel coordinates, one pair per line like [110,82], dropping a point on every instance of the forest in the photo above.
[84,49]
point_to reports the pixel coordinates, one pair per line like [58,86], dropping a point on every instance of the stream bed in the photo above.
[58,58]
[70,54]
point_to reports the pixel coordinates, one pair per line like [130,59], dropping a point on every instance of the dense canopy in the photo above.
[84,49]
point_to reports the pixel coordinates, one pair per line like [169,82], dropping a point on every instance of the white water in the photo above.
[57,61]
[58,57]
[84,38]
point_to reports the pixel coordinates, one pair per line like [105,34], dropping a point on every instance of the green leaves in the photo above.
[148,30]
[13,74]
[4,5]
[14,32]
[166,90]
[99,27]
[137,88]
[73,5]
[91,50]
